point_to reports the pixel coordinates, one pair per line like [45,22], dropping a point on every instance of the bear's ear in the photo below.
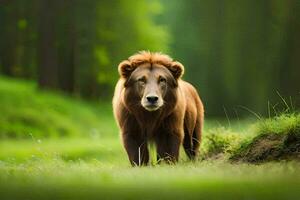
[125,68]
[177,69]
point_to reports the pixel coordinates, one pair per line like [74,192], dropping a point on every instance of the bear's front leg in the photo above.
[167,145]
[136,148]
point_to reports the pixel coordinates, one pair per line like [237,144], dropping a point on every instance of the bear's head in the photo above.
[150,80]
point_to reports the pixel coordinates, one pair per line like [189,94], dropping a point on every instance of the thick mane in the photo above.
[149,57]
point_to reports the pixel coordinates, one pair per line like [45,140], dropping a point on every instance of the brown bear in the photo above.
[152,103]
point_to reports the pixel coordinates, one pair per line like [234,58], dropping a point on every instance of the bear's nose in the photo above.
[152,99]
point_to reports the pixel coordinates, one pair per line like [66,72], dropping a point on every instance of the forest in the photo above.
[238,54]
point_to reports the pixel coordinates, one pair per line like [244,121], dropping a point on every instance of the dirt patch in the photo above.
[270,147]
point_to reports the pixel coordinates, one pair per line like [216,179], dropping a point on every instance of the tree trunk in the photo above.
[47,47]
[67,71]
[67,48]
[8,38]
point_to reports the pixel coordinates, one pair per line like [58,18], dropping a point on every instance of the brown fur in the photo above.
[177,120]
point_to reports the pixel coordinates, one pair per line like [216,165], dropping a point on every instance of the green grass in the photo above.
[107,150]
[56,179]
[281,124]
[28,112]
[55,147]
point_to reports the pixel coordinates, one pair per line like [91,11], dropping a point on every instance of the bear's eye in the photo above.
[142,80]
[162,80]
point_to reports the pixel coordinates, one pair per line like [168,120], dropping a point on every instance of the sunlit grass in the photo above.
[281,124]
[27,112]
[106,149]
[95,180]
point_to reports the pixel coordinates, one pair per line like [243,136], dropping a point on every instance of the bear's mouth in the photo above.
[151,107]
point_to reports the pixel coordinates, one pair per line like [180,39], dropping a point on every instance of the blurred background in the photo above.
[242,56]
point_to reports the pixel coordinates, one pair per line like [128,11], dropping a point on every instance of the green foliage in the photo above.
[237,52]
[281,124]
[218,142]
[26,112]
[234,56]
[123,31]
[84,42]
[22,24]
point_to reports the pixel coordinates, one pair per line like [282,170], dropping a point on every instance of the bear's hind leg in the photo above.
[196,138]
[188,144]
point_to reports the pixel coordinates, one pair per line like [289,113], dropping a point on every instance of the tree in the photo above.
[74,45]
[8,36]
[238,52]
[47,45]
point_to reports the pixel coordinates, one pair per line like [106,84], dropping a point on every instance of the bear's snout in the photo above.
[152,99]
[152,102]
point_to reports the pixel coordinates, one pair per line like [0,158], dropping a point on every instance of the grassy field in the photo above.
[55,147]
[27,112]
[57,179]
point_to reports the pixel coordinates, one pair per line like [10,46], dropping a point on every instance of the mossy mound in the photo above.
[271,139]
[270,147]
[276,139]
